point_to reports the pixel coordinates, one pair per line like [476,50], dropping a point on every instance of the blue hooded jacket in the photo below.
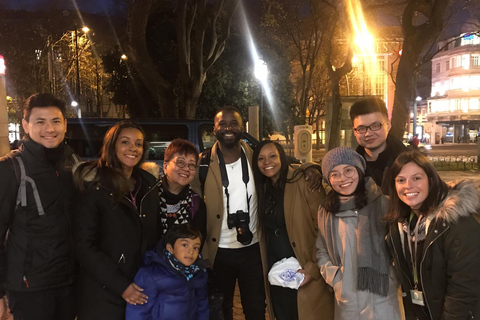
[170,294]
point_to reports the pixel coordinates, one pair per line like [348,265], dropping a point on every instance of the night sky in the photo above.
[92,6]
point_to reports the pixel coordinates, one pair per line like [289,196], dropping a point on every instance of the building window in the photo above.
[474,103]
[456,62]
[455,83]
[447,65]
[475,60]
[437,68]
[465,61]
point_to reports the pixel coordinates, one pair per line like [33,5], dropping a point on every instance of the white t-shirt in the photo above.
[238,201]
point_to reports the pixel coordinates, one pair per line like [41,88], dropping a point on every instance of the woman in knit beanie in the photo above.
[351,250]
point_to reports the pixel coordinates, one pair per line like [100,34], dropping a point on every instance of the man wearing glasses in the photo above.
[371,126]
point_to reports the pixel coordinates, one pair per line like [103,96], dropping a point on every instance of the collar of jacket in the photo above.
[36,151]
[462,201]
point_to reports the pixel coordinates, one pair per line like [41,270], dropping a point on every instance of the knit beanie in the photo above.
[341,155]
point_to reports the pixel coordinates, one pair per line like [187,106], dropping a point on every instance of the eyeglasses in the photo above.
[348,172]
[373,127]
[182,164]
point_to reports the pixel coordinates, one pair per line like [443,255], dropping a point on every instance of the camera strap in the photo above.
[225,182]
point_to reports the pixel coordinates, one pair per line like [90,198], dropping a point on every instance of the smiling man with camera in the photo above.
[231,246]
[225,180]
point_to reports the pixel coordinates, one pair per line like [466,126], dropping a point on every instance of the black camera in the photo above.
[240,220]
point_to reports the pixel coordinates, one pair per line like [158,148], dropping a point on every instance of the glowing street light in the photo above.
[124,57]
[414,126]
[85,29]
[261,73]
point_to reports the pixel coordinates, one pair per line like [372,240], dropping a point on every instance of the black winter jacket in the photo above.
[110,242]
[38,253]
[449,269]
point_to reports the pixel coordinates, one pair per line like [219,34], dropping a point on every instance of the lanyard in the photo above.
[413,255]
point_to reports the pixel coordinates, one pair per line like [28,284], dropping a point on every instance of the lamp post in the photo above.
[77,63]
[4,142]
[261,73]
[414,126]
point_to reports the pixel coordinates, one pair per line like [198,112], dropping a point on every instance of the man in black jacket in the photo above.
[371,126]
[37,269]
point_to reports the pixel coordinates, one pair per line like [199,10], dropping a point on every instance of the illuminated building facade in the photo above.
[454,104]
[373,72]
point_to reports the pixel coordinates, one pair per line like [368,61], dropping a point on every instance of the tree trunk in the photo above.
[417,37]
[334,140]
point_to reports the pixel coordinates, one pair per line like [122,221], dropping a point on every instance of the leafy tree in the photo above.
[201,30]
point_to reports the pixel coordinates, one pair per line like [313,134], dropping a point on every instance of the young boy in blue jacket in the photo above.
[174,279]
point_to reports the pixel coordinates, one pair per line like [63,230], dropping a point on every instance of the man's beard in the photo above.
[230,143]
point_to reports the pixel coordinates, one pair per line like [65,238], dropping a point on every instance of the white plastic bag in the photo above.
[284,273]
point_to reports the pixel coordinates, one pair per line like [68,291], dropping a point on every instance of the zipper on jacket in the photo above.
[26,282]
[421,263]
[404,273]
[159,182]
[122,258]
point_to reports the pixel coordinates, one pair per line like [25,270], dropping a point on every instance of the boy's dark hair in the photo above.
[42,100]
[178,231]
[367,106]
[182,147]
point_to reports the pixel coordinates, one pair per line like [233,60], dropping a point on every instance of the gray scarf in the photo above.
[372,254]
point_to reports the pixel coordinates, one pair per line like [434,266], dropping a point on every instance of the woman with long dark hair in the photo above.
[352,254]
[287,215]
[434,238]
[115,196]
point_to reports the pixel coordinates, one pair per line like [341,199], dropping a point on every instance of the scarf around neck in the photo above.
[178,213]
[187,272]
[372,255]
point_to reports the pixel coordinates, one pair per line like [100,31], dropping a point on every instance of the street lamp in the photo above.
[4,142]
[77,63]
[417,99]
[261,73]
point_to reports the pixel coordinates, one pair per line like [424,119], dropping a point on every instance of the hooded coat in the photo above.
[170,295]
[449,269]
[110,242]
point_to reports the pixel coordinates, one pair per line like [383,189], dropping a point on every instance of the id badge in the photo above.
[417,297]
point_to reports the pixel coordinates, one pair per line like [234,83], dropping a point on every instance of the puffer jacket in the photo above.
[170,295]
[110,243]
[38,254]
[449,269]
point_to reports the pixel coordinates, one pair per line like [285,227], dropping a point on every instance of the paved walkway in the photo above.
[461,175]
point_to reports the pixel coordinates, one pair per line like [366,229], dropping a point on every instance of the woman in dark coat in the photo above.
[115,195]
[434,238]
